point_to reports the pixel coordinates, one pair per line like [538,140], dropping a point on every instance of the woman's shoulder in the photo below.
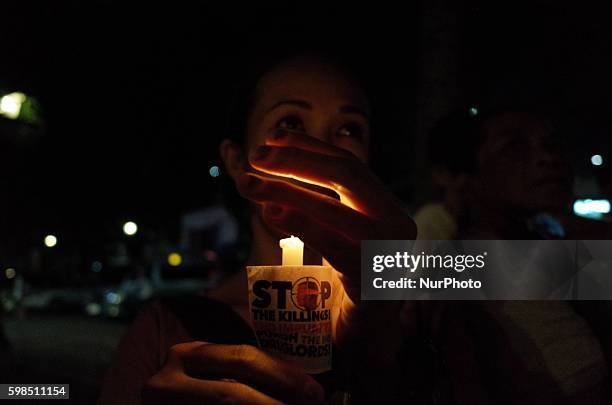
[232,291]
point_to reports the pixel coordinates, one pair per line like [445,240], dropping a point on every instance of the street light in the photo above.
[50,241]
[9,273]
[175,259]
[10,104]
[214,171]
[130,228]
[596,160]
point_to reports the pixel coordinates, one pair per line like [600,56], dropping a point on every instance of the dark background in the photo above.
[134,98]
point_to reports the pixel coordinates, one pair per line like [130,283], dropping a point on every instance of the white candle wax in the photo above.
[293,251]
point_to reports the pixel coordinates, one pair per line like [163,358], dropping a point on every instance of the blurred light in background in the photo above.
[211,255]
[96,267]
[597,160]
[113,298]
[10,104]
[9,273]
[50,241]
[591,208]
[175,259]
[473,111]
[214,171]
[130,228]
[93,309]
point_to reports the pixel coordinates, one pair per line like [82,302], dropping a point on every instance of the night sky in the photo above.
[135,96]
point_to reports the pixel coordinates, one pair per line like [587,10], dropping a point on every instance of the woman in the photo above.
[306,119]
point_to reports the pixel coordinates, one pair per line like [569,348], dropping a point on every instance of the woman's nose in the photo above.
[322,134]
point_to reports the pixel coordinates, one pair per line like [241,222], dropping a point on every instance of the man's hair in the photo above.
[455,141]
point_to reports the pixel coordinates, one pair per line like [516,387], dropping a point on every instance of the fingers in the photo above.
[328,211]
[310,160]
[225,392]
[180,388]
[307,142]
[254,369]
[347,176]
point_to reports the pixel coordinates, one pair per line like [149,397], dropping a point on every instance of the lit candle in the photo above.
[293,251]
[293,294]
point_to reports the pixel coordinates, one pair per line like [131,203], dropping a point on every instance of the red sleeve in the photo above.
[140,354]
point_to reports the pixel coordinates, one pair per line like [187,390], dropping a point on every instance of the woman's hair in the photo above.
[244,92]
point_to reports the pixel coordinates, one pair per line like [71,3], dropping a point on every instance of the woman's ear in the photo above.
[233,157]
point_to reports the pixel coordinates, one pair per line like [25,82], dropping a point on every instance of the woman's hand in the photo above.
[199,372]
[333,228]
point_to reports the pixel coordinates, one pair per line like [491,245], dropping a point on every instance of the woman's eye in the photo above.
[352,131]
[291,123]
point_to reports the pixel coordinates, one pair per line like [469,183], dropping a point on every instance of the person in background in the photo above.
[605,181]
[503,172]
[450,146]
[516,183]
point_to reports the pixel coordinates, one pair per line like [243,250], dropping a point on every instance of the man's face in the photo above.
[522,166]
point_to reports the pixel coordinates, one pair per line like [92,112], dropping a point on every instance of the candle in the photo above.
[293,251]
[291,308]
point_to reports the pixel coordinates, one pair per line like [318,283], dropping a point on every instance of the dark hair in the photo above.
[245,87]
[455,141]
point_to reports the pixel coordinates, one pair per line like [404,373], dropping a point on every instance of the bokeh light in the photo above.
[96,267]
[597,160]
[214,171]
[175,259]
[591,208]
[50,241]
[10,104]
[130,228]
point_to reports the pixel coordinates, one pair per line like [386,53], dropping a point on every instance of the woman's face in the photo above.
[305,96]
[313,98]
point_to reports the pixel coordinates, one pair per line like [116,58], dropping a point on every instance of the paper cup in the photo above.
[291,312]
